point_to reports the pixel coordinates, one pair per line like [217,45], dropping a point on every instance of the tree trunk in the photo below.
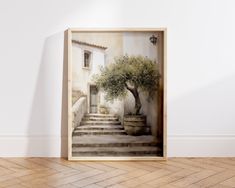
[137,104]
[135,93]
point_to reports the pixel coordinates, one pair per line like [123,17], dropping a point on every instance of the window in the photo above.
[87,59]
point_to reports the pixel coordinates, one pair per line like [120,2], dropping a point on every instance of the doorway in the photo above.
[93,99]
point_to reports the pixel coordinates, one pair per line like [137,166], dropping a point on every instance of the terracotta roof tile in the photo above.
[88,44]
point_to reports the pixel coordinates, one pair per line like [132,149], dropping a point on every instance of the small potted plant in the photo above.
[103,109]
[132,74]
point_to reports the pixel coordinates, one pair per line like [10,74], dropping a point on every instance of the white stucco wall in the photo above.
[83,77]
[114,42]
[137,43]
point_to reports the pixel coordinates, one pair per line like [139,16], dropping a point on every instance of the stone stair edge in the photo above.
[100,115]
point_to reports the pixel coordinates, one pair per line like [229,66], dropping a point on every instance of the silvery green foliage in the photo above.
[129,73]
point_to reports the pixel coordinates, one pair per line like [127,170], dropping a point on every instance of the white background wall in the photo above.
[201,70]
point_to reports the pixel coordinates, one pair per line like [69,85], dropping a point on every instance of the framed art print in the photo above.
[116,94]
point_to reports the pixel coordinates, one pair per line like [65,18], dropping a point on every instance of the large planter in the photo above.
[135,125]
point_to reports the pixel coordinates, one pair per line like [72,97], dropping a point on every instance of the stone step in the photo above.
[104,139]
[100,123]
[99,127]
[136,144]
[101,115]
[99,132]
[117,151]
[100,119]
[114,140]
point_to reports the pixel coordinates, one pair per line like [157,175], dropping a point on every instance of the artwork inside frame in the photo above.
[116,94]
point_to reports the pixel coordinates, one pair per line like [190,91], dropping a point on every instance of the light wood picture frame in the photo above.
[101,122]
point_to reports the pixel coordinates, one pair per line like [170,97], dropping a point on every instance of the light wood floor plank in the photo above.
[229,182]
[145,178]
[193,178]
[98,178]
[121,178]
[61,173]
[170,178]
[215,179]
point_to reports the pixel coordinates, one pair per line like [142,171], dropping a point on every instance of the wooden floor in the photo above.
[176,172]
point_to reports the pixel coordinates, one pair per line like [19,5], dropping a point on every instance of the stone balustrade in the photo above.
[78,110]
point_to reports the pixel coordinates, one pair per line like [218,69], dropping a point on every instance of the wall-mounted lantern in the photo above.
[153,39]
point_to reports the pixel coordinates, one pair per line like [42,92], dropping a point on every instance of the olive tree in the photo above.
[129,73]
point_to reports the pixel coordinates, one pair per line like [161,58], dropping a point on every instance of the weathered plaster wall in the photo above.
[82,76]
[112,40]
[137,43]
[99,58]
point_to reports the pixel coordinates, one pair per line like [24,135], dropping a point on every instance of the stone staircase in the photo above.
[103,135]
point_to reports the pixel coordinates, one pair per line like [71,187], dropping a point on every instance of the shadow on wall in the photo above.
[64,105]
[47,128]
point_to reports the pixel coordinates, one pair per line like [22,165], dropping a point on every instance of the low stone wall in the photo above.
[76,94]
[78,110]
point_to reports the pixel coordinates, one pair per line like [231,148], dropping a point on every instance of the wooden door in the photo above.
[93,99]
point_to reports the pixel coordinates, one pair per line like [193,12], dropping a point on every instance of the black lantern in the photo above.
[153,39]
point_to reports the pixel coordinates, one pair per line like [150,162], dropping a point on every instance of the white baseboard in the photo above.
[33,146]
[201,146]
[177,146]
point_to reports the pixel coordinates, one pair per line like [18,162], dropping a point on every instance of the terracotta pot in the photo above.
[103,110]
